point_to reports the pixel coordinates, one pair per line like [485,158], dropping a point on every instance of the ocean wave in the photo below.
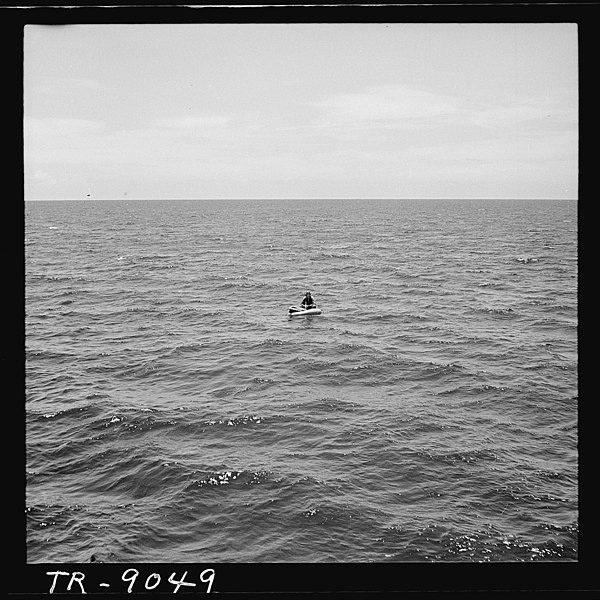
[452,458]
[214,479]
[500,312]
[430,413]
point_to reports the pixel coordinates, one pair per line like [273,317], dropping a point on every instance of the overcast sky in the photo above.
[301,111]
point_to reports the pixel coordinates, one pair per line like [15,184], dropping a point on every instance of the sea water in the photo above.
[175,413]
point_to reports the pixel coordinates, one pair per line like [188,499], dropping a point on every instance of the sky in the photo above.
[397,110]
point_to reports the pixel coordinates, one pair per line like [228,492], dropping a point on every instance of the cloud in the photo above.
[402,107]
[81,141]
[384,103]
[45,178]
[531,112]
[67,85]
[54,126]
[521,149]
[193,123]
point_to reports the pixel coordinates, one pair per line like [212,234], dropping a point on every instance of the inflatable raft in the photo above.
[295,311]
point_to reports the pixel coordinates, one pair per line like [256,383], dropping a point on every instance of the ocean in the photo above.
[174,412]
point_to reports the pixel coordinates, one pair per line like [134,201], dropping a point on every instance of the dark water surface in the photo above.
[175,413]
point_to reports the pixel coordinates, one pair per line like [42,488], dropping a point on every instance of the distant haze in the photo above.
[301,111]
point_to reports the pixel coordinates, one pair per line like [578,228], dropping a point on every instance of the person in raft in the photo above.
[308,302]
